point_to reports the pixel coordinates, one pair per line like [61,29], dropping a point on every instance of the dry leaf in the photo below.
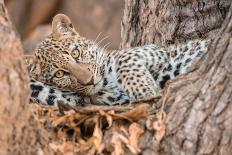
[117,144]
[135,132]
[159,126]
[97,135]
[108,117]
[66,148]
[149,124]
[96,138]
[142,111]
[83,121]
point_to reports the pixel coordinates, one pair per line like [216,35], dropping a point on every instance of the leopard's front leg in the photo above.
[139,84]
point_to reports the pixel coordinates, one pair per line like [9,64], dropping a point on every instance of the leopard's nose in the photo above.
[91,82]
[82,74]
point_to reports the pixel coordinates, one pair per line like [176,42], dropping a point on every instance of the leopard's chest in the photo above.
[129,62]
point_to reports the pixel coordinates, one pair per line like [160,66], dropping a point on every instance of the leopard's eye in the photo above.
[59,74]
[75,53]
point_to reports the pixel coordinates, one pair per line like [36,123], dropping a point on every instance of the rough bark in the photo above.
[170,21]
[198,104]
[19,133]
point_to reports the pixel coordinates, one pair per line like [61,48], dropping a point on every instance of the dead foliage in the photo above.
[95,129]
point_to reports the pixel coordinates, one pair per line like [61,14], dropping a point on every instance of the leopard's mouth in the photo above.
[66,90]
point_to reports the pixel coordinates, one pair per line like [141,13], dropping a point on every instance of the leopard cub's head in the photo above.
[67,60]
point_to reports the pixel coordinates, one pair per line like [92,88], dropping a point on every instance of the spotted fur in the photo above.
[114,77]
[45,94]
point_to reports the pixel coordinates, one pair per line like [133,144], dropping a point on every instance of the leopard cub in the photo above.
[75,64]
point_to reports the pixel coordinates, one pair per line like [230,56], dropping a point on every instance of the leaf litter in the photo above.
[96,129]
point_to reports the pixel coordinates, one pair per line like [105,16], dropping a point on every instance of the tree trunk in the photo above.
[198,104]
[19,132]
[169,21]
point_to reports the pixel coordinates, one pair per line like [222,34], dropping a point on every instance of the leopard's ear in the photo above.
[33,66]
[62,26]
[30,61]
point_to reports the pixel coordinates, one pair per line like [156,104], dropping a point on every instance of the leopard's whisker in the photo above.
[106,46]
[98,36]
[100,41]
[101,60]
[80,88]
